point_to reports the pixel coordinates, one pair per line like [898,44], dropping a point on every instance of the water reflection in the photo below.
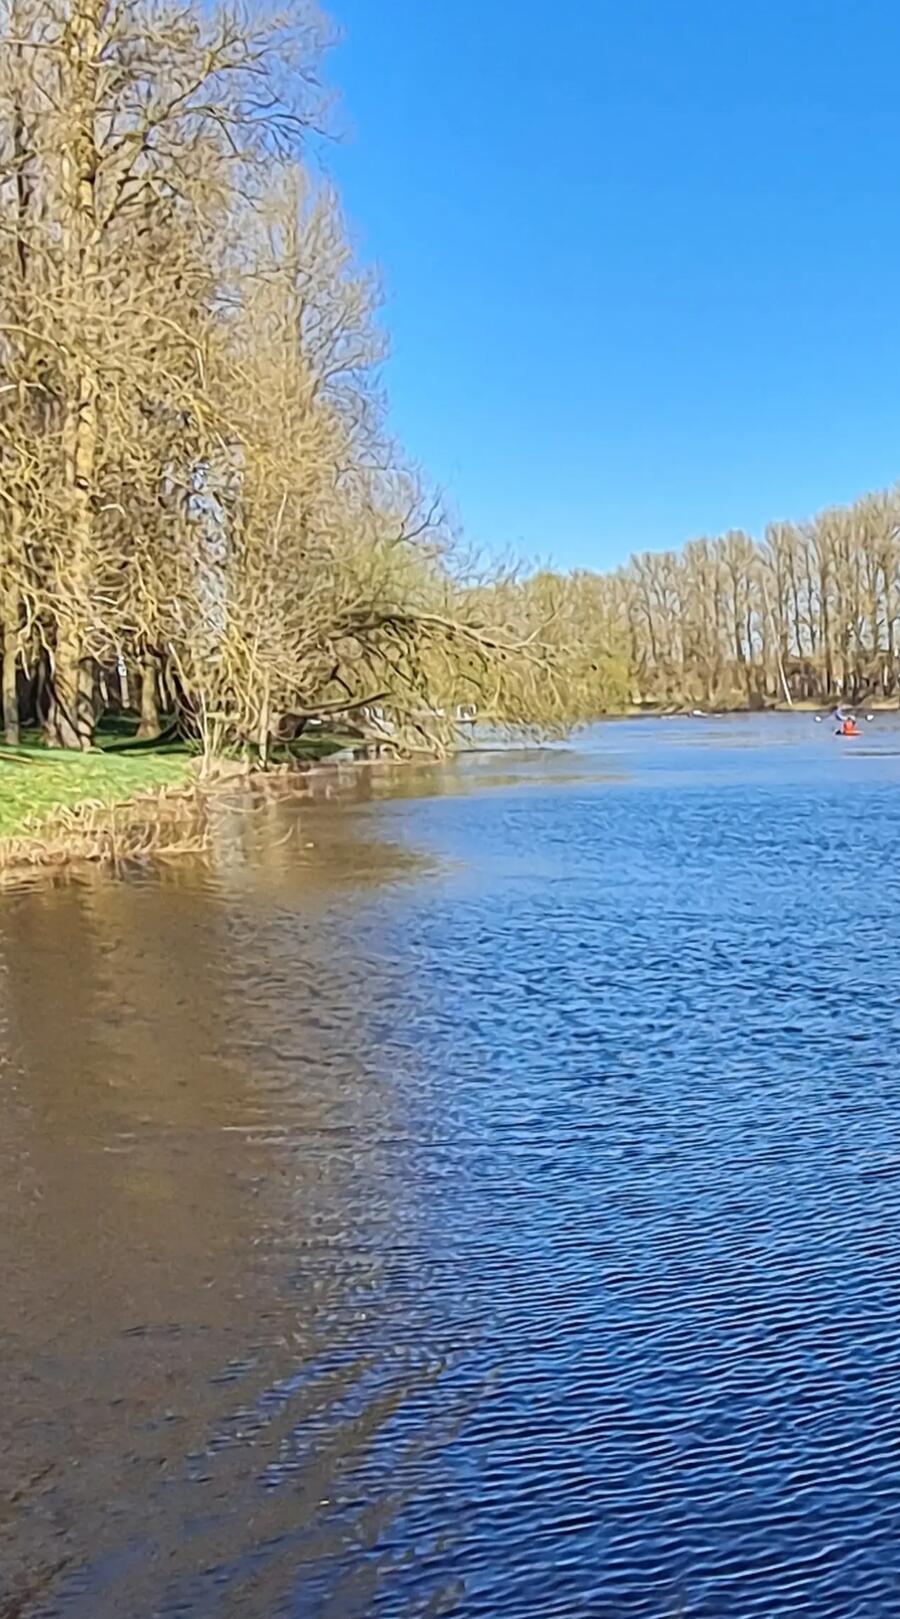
[200,1171]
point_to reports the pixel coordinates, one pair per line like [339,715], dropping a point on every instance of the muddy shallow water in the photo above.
[479,1196]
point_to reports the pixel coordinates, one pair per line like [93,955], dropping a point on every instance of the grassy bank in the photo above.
[35,784]
[38,785]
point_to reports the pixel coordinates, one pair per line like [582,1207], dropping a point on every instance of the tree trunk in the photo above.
[70,715]
[265,721]
[10,672]
[71,718]
[149,726]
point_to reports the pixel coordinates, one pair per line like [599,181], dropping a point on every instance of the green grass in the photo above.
[32,790]
[116,735]
[315,745]
[36,781]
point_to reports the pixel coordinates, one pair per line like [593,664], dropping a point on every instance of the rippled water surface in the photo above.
[479,1197]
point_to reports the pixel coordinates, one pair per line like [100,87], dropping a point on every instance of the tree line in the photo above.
[204,517]
[810,612]
[203,513]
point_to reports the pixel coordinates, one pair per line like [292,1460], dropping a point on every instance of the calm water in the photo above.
[482,1201]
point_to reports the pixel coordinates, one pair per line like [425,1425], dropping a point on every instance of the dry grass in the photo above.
[36,785]
[172,821]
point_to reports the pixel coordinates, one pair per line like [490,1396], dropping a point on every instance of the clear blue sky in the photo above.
[641,257]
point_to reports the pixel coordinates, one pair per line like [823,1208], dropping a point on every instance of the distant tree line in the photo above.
[812,612]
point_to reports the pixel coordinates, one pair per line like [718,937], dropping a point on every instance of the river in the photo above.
[480,1196]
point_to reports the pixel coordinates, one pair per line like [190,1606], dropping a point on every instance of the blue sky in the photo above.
[641,257]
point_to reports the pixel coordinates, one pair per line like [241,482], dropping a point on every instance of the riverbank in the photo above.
[62,807]
[122,800]
[130,801]
[803,705]
[35,784]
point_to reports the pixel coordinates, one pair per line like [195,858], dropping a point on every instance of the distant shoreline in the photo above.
[877,705]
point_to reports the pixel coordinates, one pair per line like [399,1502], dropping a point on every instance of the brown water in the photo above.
[192,1113]
[479,1198]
